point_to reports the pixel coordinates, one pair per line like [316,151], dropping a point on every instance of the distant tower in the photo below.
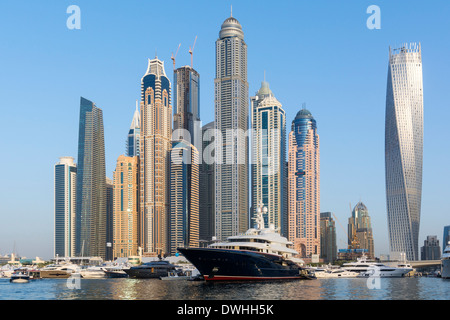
[431,249]
[134,134]
[328,246]
[360,229]
[155,144]
[126,207]
[269,157]
[304,185]
[231,120]
[91,183]
[65,207]
[404,149]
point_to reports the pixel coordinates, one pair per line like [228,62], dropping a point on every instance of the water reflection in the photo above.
[155,289]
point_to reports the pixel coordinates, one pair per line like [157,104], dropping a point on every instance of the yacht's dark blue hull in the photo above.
[224,264]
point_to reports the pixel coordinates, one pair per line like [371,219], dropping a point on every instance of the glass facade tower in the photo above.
[65,207]
[134,134]
[91,183]
[404,149]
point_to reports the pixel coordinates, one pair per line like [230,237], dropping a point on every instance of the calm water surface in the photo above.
[155,289]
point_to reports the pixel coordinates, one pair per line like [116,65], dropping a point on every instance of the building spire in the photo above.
[231,11]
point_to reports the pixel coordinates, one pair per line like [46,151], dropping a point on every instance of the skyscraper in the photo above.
[304,185]
[328,247]
[65,207]
[431,249]
[155,145]
[360,229]
[231,120]
[186,99]
[207,186]
[184,196]
[126,207]
[109,218]
[134,134]
[404,149]
[269,157]
[91,183]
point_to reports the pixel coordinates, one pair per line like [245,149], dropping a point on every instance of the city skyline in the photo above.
[324,111]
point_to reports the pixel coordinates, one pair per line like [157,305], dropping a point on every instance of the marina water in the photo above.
[407,288]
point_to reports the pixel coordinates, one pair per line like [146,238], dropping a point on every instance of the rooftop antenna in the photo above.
[304,105]
[191,51]
[231,11]
[156,53]
[264,75]
[173,57]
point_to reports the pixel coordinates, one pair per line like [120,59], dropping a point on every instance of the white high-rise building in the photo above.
[65,207]
[404,149]
[269,157]
[231,120]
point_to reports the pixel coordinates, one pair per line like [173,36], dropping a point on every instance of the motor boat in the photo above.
[93,272]
[20,276]
[367,268]
[59,271]
[335,273]
[153,269]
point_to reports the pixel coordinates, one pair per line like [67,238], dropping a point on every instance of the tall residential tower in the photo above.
[65,207]
[91,183]
[304,185]
[155,146]
[231,120]
[269,157]
[404,149]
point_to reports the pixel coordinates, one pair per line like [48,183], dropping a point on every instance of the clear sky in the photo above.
[316,52]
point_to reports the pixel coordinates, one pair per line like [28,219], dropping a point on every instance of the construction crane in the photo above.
[173,57]
[191,52]
[348,238]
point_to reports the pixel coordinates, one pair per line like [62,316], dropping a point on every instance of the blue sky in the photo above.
[320,53]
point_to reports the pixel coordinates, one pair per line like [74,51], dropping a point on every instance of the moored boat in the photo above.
[59,271]
[20,276]
[259,254]
[367,268]
[153,269]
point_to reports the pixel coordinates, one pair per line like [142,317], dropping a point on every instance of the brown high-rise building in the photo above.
[304,185]
[126,207]
[155,145]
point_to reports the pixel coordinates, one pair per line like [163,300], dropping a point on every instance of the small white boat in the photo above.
[93,273]
[20,276]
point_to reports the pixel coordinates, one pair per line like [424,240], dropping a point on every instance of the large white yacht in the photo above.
[445,263]
[259,254]
[368,268]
